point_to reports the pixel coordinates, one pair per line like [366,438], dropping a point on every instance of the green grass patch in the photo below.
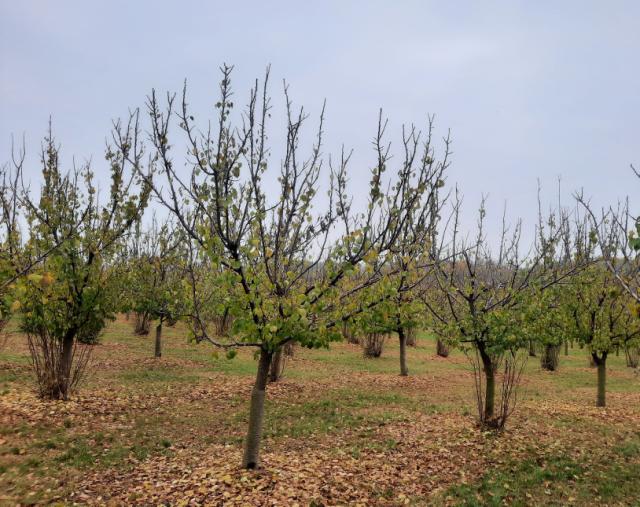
[339,411]
[555,480]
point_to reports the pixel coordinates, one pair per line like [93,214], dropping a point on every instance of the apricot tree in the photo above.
[68,297]
[261,222]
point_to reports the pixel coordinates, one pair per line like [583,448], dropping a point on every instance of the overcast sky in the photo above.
[530,90]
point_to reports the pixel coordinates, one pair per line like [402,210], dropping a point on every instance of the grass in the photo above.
[133,409]
[555,480]
[340,411]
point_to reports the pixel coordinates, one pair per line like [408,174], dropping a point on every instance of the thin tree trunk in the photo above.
[61,391]
[566,347]
[601,362]
[256,412]
[158,351]
[275,372]
[532,348]
[404,370]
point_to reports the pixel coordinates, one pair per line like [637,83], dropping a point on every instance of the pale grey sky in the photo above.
[530,90]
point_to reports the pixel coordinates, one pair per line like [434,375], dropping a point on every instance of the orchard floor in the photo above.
[339,430]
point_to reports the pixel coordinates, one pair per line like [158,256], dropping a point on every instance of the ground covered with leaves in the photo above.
[339,430]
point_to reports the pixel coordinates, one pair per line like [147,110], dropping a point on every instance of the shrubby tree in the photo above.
[394,305]
[564,252]
[128,271]
[412,255]
[211,294]
[411,258]
[617,235]
[264,228]
[376,324]
[68,298]
[155,276]
[16,260]
[10,244]
[477,301]
[545,325]
[601,316]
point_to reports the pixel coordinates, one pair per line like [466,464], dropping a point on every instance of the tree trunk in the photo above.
[490,386]
[532,348]
[404,370]
[601,363]
[632,355]
[411,334]
[489,401]
[349,335]
[61,390]
[277,366]
[256,412]
[441,348]
[289,349]
[222,323]
[372,344]
[142,323]
[549,359]
[566,347]
[158,351]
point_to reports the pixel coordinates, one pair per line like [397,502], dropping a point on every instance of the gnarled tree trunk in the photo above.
[250,459]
